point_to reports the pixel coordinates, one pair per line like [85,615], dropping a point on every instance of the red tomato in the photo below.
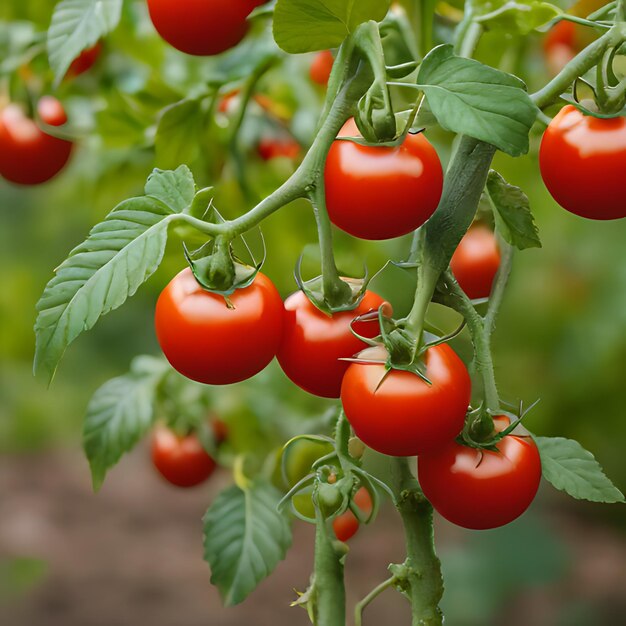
[346,524]
[583,160]
[182,461]
[211,343]
[322,67]
[220,430]
[313,343]
[272,148]
[561,34]
[381,192]
[482,489]
[404,415]
[28,155]
[84,61]
[201,27]
[476,261]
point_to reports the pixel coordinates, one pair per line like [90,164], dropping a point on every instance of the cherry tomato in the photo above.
[28,155]
[561,34]
[220,430]
[84,61]
[380,192]
[482,489]
[346,524]
[211,343]
[321,67]
[182,461]
[403,415]
[271,148]
[313,343]
[583,160]
[201,27]
[476,261]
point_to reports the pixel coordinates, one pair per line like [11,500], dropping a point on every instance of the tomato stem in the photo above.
[370,597]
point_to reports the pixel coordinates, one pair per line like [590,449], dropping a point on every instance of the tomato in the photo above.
[381,192]
[482,489]
[84,61]
[201,27]
[403,415]
[313,343]
[561,34]
[220,430]
[583,160]
[298,458]
[211,343]
[476,261]
[271,148]
[28,155]
[346,524]
[182,461]
[321,67]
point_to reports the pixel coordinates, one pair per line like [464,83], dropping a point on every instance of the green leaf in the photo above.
[119,254]
[511,210]
[177,133]
[514,16]
[473,99]
[175,188]
[310,25]
[76,25]
[119,414]
[245,537]
[574,470]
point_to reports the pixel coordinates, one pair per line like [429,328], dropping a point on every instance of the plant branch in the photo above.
[369,598]
[499,285]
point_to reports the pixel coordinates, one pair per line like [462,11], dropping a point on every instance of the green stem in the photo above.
[620,11]
[499,285]
[369,598]
[470,40]
[581,63]
[423,582]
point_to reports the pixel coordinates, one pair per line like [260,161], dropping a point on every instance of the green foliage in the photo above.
[574,470]
[514,16]
[473,99]
[245,537]
[309,25]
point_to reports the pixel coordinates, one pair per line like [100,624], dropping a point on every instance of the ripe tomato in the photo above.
[271,148]
[28,155]
[561,34]
[346,524]
[404,415]
[182,461]
[381,192]
[322,67]
[84,61]
[201,27]
[211,343]
[313,343]
[482,489]
[476,261]
[583,160]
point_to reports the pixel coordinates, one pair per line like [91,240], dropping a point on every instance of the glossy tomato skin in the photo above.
[321,67]
[346,524]
[182,461]
[201,27]
[582,161]
[482,493]
[381,192]
[84,61]
[405,416]
[313,343]
[211,343]
[476,261]
[28,155]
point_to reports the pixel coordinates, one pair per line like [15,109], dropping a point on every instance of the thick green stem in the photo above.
[423,582]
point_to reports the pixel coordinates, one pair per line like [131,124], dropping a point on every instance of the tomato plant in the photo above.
[28,154]
[346,525]
[217,342]
[182,461]
[482,488]
[379,192]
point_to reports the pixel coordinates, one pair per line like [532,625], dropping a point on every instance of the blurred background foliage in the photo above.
[561,335]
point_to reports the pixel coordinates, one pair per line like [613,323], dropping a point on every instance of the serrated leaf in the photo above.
[511,209]
[245,537]
[119,414]
[574,470]
[310,25]
[119,254]
[514,16]
[76,25]
[178,129]
[175,188]
[470,98]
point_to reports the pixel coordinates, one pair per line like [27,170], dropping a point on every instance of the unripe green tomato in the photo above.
[299,457]
[303,503]
[329,498]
